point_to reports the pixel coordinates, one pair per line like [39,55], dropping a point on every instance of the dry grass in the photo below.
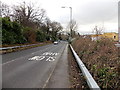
[101,58]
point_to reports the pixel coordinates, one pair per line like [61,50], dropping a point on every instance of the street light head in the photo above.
[62,7]
[66,7]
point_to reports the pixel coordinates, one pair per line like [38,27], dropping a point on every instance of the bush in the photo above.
[17,29]
[7,37]
[7,24]
[29,34]
[101,58]
[11,32]
[40,36]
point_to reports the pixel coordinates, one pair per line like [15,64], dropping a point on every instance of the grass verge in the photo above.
[77,80]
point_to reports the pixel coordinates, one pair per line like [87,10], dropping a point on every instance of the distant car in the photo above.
[58,40]
[55,42]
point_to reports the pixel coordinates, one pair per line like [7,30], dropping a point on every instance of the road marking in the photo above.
[9,62]
[40,58]
[37,58]
[51,59]
[49,55]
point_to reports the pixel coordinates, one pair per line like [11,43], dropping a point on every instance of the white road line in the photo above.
[8,62]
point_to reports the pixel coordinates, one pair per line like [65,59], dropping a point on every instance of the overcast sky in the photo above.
[87,13]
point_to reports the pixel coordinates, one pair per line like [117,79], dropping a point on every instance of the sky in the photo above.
[87,13]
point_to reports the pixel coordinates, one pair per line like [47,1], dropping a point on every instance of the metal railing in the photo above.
[6,48]
[90,81]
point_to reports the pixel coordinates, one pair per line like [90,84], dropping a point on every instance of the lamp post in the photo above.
[119,22]
[119,28]
[70,19]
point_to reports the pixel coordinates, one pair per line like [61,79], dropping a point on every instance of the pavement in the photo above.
[40,67]
[60,77]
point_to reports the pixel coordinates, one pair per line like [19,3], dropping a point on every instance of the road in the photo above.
[40,67]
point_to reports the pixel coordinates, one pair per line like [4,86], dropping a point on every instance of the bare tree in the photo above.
[56,28]
[97,31]
[47,25]
[73,27]
[26,14]
[5,10]
[30,17]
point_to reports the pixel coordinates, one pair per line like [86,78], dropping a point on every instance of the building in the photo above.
[112,35]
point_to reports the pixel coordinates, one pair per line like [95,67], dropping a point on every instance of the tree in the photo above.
[11,32]
[55,29]
[97,31]
[28,14]
[5,10]
[41,37]
[31,18]
[29,34]
[73,27]
[27,23]
[48,25]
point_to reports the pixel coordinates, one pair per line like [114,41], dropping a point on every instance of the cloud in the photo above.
[95,12]
[87,13]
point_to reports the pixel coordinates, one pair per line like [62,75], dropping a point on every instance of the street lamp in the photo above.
[119,22]
[70,19]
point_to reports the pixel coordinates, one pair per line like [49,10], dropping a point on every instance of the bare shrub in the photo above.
[101,58]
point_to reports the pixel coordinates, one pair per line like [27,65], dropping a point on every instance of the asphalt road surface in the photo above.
[40,67]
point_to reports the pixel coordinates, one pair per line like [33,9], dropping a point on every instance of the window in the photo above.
[114,37]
